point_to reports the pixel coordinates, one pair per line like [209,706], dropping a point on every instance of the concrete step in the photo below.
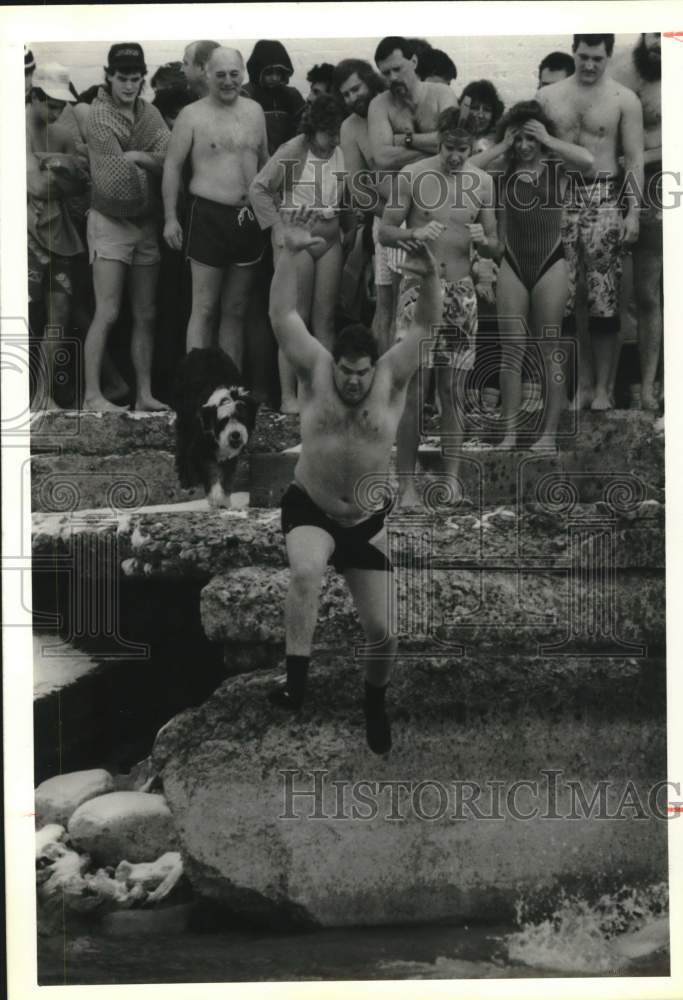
[200,543]
[441,612]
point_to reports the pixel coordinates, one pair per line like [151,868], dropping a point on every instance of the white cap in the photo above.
[53,79]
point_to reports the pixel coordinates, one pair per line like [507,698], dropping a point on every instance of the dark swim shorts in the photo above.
[352,548]
[219,235]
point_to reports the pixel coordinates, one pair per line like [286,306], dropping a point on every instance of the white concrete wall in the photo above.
[510,61]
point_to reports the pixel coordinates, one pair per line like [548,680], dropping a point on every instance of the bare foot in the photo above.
[150,404]
[581,401]
[116,391]
[98,404]
[545,443]
[648,400]
[289,406]
[601,401]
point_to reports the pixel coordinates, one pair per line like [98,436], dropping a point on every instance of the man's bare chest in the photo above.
[217,137]
[598,118]
[420,119]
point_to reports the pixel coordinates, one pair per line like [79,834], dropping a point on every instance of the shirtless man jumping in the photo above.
[593,110]
[451,205]
[641,71]
[225,134]
[350,405]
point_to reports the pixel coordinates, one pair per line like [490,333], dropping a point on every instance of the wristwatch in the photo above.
[408,140]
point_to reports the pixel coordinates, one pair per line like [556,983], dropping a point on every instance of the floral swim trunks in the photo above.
[592,238]
[455,340]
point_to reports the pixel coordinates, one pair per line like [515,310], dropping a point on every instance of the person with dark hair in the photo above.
[482,109]
[193,66]
[554,67]
[308,171]
[532,281]
[224,136]
[269,68]
[170,75]
[53,173]
[594,111]
[171,100]
[402,120]
[436,66]
[351,403]
[127,141]
[320,79]
[357,83]
[460,212]
[641,71]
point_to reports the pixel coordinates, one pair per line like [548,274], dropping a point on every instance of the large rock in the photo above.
[58,798]
[200,544]
[131,826]
[347,853]
[441,609]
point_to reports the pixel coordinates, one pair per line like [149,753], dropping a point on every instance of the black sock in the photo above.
[297,672]
[377,727]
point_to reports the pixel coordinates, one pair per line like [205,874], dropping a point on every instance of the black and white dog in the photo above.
[215,416]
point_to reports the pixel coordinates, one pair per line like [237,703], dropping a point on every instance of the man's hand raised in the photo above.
[421,262]
[296,229]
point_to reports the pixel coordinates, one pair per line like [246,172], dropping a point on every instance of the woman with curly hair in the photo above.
[481,110]
[533,277]
[308,171]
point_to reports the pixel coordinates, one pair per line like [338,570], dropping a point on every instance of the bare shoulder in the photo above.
[555,94]
[60,138]
[251,108]
[380,103]
[626,96]
[441,93]
[348,129]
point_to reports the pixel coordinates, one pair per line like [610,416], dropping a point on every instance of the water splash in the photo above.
[593,938]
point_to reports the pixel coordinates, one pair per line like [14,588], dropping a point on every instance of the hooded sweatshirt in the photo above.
[281,105]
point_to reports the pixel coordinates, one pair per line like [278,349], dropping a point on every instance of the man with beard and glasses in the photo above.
[402,121]
[592,110]
[641,71]
[356,83]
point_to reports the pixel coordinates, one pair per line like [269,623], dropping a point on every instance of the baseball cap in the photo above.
[126,55]
[53,80]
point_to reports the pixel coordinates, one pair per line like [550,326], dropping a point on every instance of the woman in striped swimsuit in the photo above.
[533,277]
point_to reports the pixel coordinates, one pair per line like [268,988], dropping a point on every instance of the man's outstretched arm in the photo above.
[299,347]
[404,356]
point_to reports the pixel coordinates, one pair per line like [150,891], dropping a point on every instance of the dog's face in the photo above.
[227,418]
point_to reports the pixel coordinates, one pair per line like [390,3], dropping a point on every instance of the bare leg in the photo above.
[308,549]
[647,274]
[58,308]
[108,279]
[206,291]
[450,388]
[374,596]
[408,439]
[143,287]
[548,299]
[512,303]
[237,285]
[583,397]
[606,349]
[328,269]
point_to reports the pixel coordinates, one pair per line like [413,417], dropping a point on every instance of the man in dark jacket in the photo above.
[269,68]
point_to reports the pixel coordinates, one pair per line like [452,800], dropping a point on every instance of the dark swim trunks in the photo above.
[352,548]
[219,235]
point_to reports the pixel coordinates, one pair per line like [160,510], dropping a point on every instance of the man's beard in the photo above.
[648,68]
[361,106]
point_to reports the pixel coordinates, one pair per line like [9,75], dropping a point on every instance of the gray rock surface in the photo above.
[130,826]
[329,858]
[59,797]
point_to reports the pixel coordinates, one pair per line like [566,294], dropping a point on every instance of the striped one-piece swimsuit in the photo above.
[533,220]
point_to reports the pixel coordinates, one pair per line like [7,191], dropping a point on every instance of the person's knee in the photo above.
[107,311]
[235,306]
[145,314]
[647,295]
[306,575]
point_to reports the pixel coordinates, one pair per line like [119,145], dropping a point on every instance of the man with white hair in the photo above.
[224,133]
